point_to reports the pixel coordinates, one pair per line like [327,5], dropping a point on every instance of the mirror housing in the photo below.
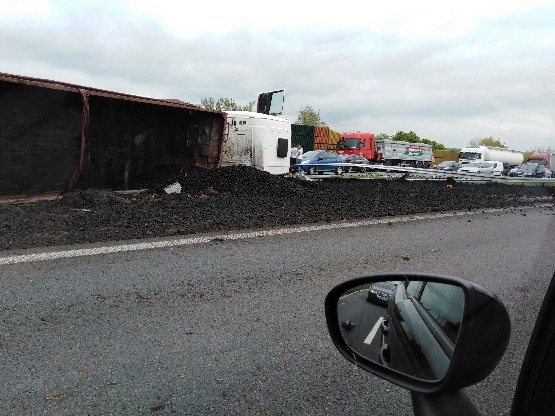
[483,335]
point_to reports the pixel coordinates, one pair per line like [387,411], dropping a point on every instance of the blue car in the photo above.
[320,161]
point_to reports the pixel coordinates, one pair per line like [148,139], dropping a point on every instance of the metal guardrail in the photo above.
[433,173]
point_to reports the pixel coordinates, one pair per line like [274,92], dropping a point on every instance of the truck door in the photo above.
[238,144]
[271,103]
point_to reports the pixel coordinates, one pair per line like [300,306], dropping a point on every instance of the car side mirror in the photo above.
[427,333]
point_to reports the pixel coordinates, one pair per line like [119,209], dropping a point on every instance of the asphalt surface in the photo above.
[237,327]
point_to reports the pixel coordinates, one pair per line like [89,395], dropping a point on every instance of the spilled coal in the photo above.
[239,198]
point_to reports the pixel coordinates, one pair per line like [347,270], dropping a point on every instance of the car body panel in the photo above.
[360,163]
[530,170]
[381,292]
[320,160]
[417,336]
[449,166]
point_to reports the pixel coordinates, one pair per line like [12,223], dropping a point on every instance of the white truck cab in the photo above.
[260,139]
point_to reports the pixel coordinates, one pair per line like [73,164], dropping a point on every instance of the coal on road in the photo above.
[239,198]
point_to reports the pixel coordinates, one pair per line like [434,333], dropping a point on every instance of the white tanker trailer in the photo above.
[509,158]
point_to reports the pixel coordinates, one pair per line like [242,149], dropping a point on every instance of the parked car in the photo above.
[449,165]
[483,168]
[360,162]
[529,170]
[320,161]
[381,292]
[471,167]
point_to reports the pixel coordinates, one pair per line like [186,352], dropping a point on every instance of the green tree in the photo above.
[382,136]
[487,141]
[309,117]
[412,137]
[225,104]
[435,145]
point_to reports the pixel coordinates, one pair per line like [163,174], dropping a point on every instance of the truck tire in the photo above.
[312,170]
[339,170]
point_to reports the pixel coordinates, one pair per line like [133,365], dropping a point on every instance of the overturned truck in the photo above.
[57,136]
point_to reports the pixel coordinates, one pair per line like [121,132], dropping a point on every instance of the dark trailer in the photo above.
[56,136]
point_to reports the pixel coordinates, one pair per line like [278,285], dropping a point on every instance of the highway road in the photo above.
[235,324]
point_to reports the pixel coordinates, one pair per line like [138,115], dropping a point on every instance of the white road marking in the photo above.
[27,258]
[372,333]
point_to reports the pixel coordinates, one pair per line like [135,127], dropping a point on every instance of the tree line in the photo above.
[309,116]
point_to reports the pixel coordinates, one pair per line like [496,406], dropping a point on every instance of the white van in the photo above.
[496,168]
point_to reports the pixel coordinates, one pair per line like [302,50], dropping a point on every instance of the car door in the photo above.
[327,158]
[425,318]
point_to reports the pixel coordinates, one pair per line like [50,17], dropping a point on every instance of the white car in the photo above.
[471,167]
[494,168]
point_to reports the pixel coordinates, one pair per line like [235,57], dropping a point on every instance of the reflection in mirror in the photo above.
[408,326]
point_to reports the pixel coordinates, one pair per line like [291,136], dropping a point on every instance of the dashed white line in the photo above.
[26,258]
[372,333]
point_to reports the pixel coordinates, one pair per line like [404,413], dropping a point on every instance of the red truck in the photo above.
[388,152]
[543,158]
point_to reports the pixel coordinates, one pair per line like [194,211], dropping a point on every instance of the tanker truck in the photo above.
[509,158]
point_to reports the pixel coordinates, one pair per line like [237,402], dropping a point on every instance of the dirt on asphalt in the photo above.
[238,198]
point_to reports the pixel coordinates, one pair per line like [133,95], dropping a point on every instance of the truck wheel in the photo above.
[339,170]
[312,170]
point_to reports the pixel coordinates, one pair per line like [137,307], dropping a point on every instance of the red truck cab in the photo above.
[543,158]
[358,143]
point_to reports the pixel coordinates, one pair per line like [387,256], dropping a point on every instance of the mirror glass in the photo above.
[408,326]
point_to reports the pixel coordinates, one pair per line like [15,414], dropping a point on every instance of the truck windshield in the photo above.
[351,143]
[469,155]
[537,161]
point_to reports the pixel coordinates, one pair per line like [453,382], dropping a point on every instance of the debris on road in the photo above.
[239,198]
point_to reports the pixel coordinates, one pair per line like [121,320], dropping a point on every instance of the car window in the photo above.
[311,155]
[445,304]
[412,288]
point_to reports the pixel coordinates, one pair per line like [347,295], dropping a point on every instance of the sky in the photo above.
[449,71]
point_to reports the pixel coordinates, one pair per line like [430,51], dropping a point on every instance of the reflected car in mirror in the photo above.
[436,333]
[381,292]
[424,320]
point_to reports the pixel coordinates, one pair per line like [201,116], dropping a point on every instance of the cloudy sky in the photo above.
[449,71]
